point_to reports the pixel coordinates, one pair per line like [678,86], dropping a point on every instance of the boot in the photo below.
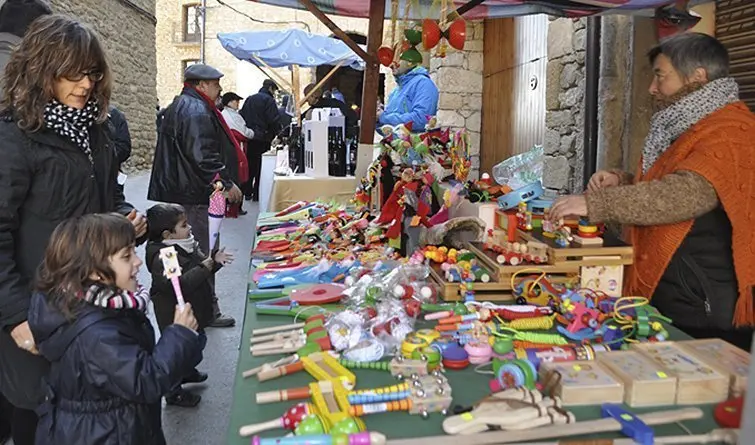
[220,321]
[183,398]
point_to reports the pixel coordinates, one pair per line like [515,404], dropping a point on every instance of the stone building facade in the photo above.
[564,98]
[127,29]
[177,46]
[459,79]
[458,76]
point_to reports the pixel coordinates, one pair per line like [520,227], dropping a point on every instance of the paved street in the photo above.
[207,423]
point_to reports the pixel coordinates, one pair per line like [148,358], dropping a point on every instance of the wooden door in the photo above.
[513,88]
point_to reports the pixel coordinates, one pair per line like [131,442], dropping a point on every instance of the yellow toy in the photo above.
[322,366]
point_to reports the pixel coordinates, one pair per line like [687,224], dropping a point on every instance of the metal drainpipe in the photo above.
[203,12]
[592,78]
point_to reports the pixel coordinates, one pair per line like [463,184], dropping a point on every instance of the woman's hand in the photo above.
[572,205]
[222,257]
[603,179]
[185,317]
[24,339]
[139,222]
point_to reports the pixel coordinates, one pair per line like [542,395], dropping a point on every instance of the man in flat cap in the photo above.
[194,147]
[260,112]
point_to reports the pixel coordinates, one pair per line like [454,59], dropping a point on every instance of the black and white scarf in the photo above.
[110,297]
[72,123]
[670,123]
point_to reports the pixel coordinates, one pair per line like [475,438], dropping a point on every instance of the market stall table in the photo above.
[288,190]
[468,388]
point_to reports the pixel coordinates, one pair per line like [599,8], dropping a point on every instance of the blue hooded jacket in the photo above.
[415,98]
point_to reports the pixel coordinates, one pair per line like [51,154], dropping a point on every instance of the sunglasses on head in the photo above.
[93,75]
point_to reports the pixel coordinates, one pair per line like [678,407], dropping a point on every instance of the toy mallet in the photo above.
[172,271]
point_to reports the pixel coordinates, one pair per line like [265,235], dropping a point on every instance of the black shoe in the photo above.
[242,212]
[181,397]
[221,321]
[195,377]
[248,197]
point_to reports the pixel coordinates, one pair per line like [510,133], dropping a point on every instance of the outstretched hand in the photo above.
[222,257]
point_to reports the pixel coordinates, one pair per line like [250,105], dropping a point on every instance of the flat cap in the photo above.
[200,71]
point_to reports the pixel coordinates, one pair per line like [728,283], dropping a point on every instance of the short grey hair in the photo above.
[692,50]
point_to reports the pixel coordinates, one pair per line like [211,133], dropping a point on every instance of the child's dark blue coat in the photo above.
[107,375]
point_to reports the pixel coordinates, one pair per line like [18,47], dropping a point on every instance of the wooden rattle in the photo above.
[172,271]
[289,420]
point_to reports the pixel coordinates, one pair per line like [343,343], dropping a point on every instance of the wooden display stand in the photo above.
[696,381]
[494,290]
[559,272]
[646,383]
[725,358]
[614,252]
[582,383]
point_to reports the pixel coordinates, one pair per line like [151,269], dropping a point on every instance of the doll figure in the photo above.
[216,213]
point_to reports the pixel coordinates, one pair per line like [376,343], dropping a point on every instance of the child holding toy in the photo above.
[168,226]
[88,318]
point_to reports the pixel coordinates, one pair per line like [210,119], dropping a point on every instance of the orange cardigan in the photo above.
[721,148]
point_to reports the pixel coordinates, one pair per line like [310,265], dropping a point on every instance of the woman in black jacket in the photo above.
[57,163]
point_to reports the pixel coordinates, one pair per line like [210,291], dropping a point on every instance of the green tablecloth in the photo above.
[467,386]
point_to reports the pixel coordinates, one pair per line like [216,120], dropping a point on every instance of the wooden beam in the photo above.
[466,7]
[371,80]
[320,84]
[283,82]
[365,55]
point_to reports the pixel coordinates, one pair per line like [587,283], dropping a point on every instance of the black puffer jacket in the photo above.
[192,147]
[260,112]
[195,285]
[44,179]
[107,376]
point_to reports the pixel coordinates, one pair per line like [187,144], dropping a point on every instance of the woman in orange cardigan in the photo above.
[691,208]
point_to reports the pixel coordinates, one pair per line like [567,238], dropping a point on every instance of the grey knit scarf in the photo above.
[668,124]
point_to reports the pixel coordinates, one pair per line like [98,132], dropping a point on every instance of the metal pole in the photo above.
[592,78]
[203,15]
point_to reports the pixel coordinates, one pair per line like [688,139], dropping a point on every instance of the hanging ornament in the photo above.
[386,53]
[413,38]
[438,32]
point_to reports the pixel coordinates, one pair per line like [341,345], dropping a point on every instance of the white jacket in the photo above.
[236,122]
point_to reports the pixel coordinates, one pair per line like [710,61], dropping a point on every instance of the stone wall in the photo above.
[127,29]
[459,80]
[564,118]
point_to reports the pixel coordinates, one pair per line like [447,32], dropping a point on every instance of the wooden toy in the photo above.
[323,366]
[506,222]
[558,431]
[399,366]
[558,273]
[362,438]
[172,271]
[331,400]
[724,358]
[614,252]
[606,279]
[646,383]
[427,394]
[581,383]
[500,413]
[289,420]
[697,382]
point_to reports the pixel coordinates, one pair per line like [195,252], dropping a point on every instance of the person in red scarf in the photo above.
[195,146]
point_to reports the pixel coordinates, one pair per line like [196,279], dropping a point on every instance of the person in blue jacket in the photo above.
[414,100]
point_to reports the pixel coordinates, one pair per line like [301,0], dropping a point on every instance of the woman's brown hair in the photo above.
[79,248]
[54,47]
